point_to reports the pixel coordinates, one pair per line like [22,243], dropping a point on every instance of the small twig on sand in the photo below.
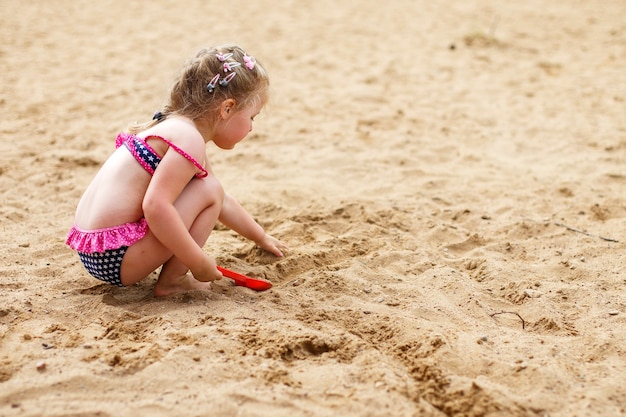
[494,25]
[571,229]
[511,312]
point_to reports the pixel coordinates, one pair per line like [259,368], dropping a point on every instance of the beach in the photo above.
[449,177]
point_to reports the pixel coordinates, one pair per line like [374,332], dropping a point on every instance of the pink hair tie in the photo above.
[249,61]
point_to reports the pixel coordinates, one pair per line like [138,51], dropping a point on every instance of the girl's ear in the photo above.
[227,108]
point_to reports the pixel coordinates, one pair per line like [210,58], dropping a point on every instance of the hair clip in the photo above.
[227,79]
[249,61]
[223,57]
[159,116]
[228,66]
[211,85]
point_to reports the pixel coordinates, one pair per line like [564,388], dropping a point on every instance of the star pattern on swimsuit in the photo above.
[105,266]
[147,155]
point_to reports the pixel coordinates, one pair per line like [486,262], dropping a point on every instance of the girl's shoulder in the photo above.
[180,132]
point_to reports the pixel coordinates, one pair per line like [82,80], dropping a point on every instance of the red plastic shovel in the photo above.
[244,281]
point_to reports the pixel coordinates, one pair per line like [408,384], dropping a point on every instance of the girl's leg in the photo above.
[199,206]
[174,276]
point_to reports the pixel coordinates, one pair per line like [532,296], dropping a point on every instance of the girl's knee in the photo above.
[213,189]
[199,195]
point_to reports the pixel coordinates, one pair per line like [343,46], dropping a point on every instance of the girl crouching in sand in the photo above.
[155,201]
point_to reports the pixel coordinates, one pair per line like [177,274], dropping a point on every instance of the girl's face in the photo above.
[234,125]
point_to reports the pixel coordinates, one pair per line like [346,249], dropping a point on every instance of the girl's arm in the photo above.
[166,186]
[235,217]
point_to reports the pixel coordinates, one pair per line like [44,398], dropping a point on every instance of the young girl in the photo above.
[155,200]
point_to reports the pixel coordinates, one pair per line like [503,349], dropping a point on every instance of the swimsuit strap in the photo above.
[203,172]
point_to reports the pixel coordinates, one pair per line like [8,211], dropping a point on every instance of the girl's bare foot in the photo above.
[179,284]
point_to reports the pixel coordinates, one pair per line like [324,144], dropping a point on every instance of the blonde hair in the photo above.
[191,96]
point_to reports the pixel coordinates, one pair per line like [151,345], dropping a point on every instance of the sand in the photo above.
[449,176]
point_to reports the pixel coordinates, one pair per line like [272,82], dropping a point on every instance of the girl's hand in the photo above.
[271,244]
[207,271]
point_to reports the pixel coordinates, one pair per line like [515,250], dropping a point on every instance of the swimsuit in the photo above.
[102,250]
[147,157]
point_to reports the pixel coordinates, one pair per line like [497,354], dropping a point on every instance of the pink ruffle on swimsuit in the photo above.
[101,240]
[102,250]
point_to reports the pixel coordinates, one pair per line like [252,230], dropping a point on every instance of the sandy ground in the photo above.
[450,177]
